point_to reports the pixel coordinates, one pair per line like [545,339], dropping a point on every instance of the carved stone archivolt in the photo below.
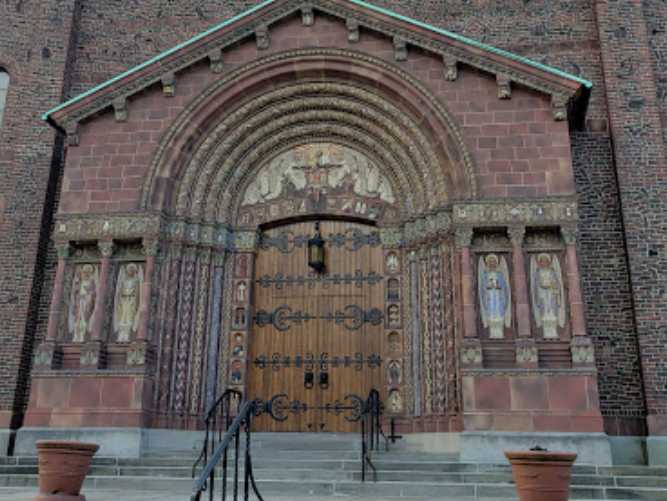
[368,122]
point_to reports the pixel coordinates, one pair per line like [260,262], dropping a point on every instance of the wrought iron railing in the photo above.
[216,449]
[371,433]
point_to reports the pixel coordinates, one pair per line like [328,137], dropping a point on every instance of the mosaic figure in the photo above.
[547,294]
[82,301]
[127,303]
[495,297]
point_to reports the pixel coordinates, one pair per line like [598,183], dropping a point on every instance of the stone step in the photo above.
[384,489]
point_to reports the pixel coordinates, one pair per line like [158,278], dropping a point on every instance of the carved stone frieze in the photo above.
[246,241]
[101,227]
[463,236]
[534,213]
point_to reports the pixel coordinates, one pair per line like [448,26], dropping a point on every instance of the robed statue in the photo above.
[547,294]
[127,301]
[82,301]
[495,295]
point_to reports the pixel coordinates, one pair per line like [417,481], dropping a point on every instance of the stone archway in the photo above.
[211,159]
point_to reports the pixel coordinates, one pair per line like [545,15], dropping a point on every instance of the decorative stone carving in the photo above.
[72,131]
[391,237]
[471,353]
[92,355]
[106,248]
[516,234]
[263,38]
[120,109]
[495,296]
[400,49]
[559,106]
[583,351]
[451,67]
[352,30]
[569,234]
[504,86]
[317,178]
[463,237]
[169,85]
[535,213]
[47,355]
[395,402]
[137,354]
[246,241]
[92,227]
[546,285]
[307,15]
[82,301]
[216,61]
[526,353]
[127,301]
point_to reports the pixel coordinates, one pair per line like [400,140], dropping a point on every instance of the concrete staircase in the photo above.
[303,466]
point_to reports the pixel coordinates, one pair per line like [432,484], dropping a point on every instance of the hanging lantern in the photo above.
[316,251]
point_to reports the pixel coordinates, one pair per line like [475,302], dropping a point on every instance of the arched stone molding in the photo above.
[204,163]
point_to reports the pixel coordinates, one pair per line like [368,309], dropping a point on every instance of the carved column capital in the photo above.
[63,249]
[569,234]
[106,248]
[516,234]
[463,236]
[151,246]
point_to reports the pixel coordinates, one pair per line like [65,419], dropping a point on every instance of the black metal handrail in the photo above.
[206,480]
[217,419]
[371,431]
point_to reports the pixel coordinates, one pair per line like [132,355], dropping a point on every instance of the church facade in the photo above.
[306,201]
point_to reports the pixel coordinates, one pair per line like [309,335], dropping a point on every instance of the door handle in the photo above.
[324,380]
[308,380]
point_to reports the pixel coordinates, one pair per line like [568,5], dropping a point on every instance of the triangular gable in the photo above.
[565,89]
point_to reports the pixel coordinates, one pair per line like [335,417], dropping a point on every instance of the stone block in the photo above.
[628,450]
[656,451]
[488,446]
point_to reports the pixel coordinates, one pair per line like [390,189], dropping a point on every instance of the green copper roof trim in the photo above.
[160,56]
[469,41]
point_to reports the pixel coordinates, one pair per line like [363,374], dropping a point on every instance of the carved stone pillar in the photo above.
[471,351]
[92,352]
[47,354]
[140,352]
[582,347]
[526,349]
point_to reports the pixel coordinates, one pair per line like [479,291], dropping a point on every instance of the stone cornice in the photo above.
[564,89]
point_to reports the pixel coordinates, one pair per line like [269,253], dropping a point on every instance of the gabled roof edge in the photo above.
[381,10]
[157,58]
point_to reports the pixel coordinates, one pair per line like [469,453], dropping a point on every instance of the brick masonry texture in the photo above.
[57,49]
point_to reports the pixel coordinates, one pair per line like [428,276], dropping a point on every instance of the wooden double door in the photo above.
[317,340]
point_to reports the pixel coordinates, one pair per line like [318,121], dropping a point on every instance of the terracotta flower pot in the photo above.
[63,466]
[542,475]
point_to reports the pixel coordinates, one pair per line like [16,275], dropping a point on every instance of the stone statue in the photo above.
[82,301]
[495,296]
[241,289]
[547,294]
[127,302]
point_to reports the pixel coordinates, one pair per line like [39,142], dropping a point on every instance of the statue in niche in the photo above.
[393,290]
[395,402]
[241,289]
[242,266]
[237,373]
[239,317]
[82,301]
[127,301]
[547,294]
[394,375]
[495,297]
[394,342]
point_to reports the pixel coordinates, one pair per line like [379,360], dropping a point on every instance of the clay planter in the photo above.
[542,475]
[63,466]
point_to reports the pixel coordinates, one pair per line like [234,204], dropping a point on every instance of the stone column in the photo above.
[139,351]
[526,348]
[471,351]
[46,355]
[92,352]
[581,345]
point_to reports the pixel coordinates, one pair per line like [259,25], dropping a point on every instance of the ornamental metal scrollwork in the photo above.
[278,361]
[358,279]
[352,240]
[352,317]
[280,407]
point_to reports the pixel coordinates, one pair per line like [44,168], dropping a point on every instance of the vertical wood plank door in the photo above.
[328,325]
